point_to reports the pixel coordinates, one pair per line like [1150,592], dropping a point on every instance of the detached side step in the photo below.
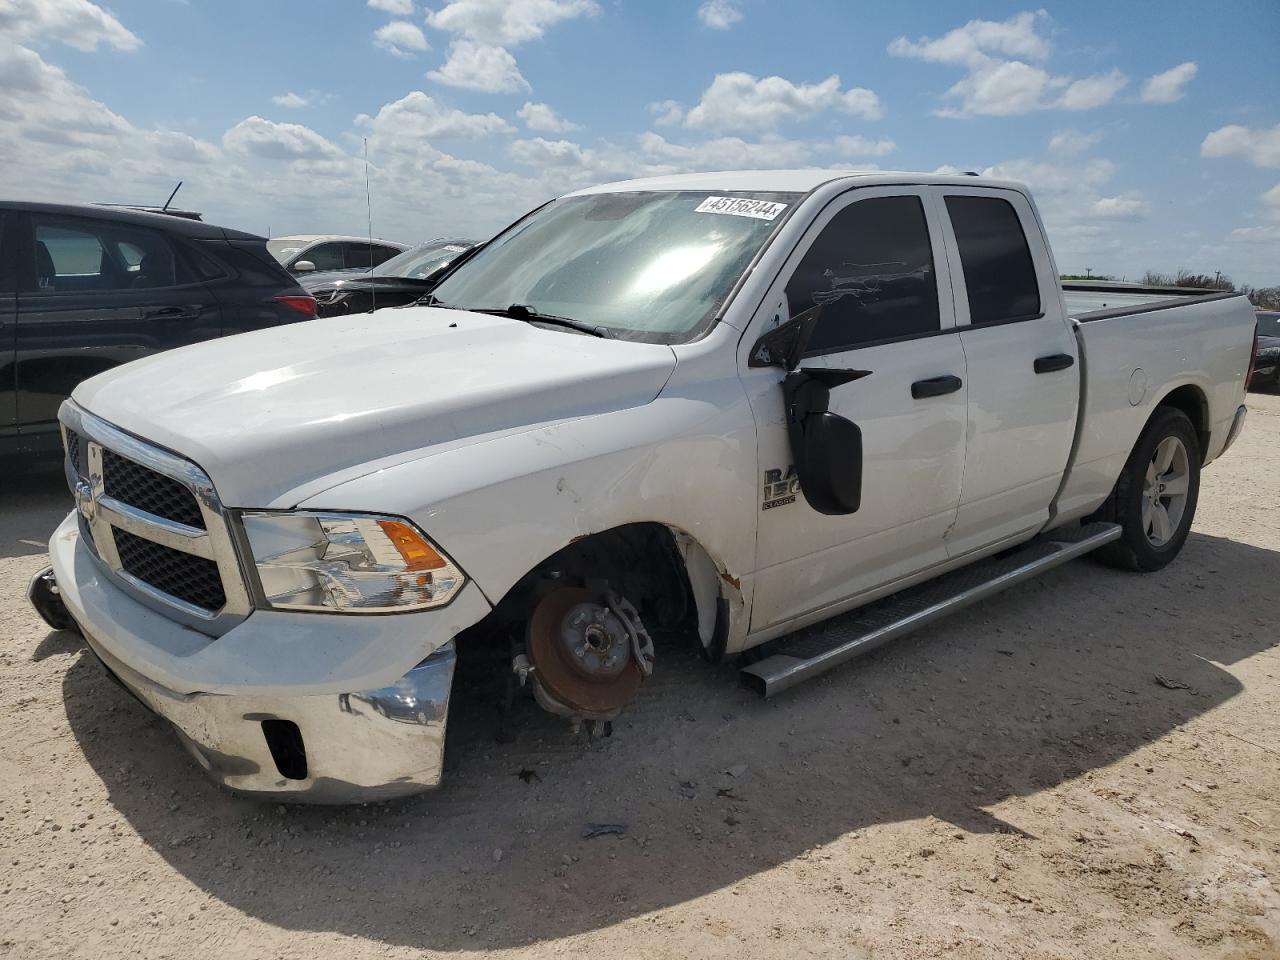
[818,648]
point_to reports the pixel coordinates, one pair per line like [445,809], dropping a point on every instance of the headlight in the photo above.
[348,563]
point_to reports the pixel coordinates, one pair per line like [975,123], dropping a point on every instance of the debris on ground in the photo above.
[603,830]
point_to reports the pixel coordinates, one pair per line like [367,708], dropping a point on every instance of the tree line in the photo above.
[1264,298]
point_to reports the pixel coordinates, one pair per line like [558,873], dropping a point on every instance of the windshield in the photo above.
[422,261]
[284,250]
[652,266]
[1269,324]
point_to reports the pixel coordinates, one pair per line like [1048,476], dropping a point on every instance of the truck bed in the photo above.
[1138,345]
[1098,300]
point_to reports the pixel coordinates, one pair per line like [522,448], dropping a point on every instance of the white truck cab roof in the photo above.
[794,181]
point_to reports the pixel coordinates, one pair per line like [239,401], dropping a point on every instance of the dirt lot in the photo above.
[1013,783]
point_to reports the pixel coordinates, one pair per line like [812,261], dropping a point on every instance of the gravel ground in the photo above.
[1012,783]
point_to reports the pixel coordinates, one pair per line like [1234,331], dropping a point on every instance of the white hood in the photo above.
[265,412]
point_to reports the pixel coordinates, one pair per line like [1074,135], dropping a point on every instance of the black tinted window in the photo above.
[326,256]
[998,271]
[383,254]
[871,271]
[362,256]
[74,255]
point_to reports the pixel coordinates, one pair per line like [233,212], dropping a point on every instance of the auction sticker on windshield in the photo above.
[741,207]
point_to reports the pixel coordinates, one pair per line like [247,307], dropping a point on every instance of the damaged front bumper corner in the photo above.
[332,748]
[285,741]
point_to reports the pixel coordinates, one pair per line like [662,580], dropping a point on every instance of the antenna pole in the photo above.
[171,196]
[368,204]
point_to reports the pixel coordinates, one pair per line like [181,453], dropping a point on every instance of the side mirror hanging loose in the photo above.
[826,448]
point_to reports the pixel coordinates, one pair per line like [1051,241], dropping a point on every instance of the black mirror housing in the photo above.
[783,346]
[829,464]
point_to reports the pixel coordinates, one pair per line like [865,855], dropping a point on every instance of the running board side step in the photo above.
[819,648]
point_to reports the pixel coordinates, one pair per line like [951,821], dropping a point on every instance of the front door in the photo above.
[8,328]
[98,294]
[873,261]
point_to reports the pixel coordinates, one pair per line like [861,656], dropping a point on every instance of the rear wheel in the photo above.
[1155,498]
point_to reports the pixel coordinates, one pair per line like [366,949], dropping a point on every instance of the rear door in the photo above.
[95,294]
[869,261]
[8,324]
[1024,378]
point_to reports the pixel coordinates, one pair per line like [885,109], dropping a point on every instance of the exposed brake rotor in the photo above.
[589,652]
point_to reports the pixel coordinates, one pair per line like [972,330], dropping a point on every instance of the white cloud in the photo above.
[268,139]
[539,152]
[739,101]
[183,147]
[719,14]
[1004,72]
[1001,88]
[859,146]
[77,23]
[401,37]
[1261,146]
[506,23]
[39,105]
[397,8]
[290,101]
[417,117]
[725,153]
[979,41]
[1092,92]
[1129,206]
[1169,86]
[1068,143]
[1268,235]
[667,113]
[480,66]
[1271,202]
[539,116]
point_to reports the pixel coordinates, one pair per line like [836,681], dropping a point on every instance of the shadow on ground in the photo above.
[1011,697]
[34,501]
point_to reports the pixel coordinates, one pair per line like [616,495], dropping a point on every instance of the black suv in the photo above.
[86,288]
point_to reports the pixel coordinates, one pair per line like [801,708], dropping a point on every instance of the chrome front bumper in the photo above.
[334,748]
[309,743]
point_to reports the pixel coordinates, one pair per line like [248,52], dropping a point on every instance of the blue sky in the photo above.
[1150,132]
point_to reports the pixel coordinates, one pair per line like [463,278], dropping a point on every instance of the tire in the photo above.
[1155,522]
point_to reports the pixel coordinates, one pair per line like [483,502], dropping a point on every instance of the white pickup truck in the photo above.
[735,405]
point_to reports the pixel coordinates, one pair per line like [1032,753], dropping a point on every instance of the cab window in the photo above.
[999,273]
[871,272]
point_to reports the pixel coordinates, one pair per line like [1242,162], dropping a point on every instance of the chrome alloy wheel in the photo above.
[1164,491]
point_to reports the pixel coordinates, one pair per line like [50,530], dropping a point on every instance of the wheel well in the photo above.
[1191,401]
[641,561]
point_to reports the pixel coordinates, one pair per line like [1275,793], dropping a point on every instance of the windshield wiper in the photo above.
[522,311]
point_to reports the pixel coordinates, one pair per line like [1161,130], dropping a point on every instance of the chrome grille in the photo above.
[134,484]
[155,523]
[192,579]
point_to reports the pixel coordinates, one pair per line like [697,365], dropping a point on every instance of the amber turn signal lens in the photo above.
[417,553]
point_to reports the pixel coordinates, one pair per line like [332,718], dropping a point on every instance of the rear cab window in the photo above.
[999,272]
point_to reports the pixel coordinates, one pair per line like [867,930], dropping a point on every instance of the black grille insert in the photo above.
[182,575]
[141,487]
[74,452]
